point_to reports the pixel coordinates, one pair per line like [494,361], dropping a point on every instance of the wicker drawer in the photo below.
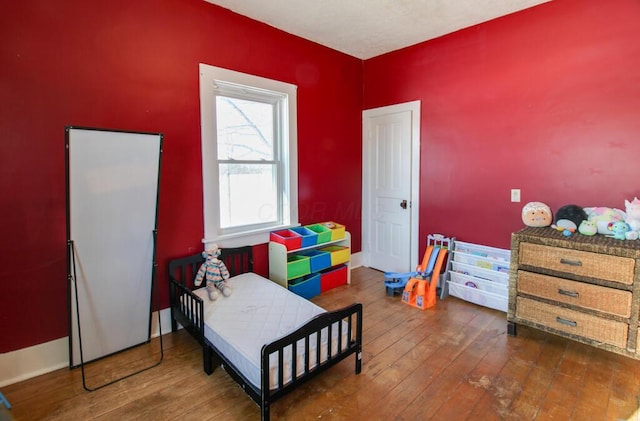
[582,263]
[573,322]
[593,297]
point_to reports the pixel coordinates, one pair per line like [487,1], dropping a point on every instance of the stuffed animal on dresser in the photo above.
[569,217]
[215,272]
[633,214]
[536,214]
[603,217]
[619,230]
[588,228]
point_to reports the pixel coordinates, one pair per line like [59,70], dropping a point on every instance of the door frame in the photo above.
[414,108]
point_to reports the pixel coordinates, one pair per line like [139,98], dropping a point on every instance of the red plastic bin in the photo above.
[333,278]
[290,239]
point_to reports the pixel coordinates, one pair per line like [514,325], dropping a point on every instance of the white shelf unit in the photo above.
[480,274]
[278,255]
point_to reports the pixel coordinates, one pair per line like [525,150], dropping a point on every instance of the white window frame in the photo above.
[210,77]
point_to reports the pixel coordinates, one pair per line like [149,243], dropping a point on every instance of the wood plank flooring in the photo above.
[454,362]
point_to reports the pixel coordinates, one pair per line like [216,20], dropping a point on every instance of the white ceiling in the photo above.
[368,28]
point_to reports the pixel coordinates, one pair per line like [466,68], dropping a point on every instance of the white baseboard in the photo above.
[356,260]
[33,361]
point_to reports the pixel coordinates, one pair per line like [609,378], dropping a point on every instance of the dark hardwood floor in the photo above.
[454,362]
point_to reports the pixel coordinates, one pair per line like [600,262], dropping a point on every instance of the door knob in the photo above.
[403,204]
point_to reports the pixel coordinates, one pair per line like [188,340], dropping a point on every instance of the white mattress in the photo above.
[258,312]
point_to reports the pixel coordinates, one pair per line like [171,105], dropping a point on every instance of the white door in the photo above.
[391,147]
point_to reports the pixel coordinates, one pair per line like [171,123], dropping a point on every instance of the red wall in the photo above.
[133,65]
[546,100]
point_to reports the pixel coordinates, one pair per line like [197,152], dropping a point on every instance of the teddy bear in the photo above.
[215,272]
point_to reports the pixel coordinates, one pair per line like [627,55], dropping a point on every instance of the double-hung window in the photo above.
[248,155]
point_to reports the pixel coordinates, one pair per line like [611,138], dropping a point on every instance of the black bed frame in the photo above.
[187,309]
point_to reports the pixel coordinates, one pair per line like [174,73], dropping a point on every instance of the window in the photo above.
[249,148]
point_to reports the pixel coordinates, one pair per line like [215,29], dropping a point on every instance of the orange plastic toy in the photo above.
[420,292]
[397,281]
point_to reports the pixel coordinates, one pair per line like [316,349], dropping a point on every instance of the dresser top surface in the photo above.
[596,243]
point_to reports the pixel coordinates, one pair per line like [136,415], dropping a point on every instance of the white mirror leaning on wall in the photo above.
[113,180]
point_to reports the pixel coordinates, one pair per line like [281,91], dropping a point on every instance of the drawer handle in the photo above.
[572,294]
[566,322]
[571,262]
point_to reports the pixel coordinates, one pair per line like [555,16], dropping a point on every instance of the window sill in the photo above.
[251,238]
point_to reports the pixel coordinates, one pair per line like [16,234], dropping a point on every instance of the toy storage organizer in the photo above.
[480,274]
[311,259]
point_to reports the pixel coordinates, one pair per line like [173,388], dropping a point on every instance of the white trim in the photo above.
[208,77]
[356,260]
[33,361]
[414,108]
[26,363]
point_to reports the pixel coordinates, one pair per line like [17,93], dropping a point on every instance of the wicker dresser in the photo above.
[580,287]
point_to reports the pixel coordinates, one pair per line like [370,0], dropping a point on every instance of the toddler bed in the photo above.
[267,338]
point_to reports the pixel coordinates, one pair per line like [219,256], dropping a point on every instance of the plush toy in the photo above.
[587,227]
[604,216]
[570,217]
[565,230]
[633,214]
[536,214]
[631,235]
[619,229]
[215,272]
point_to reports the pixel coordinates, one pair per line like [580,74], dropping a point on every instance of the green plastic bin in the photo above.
[324,233]
[297,266]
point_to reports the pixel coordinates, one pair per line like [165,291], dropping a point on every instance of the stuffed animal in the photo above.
[536,214]
[619,229]
[215,272]
[633,214]
[588,228]
[570,217]
[604,216]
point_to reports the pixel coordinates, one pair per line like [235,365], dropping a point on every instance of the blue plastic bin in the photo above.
[318,260]
[309,238]
[307,286]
